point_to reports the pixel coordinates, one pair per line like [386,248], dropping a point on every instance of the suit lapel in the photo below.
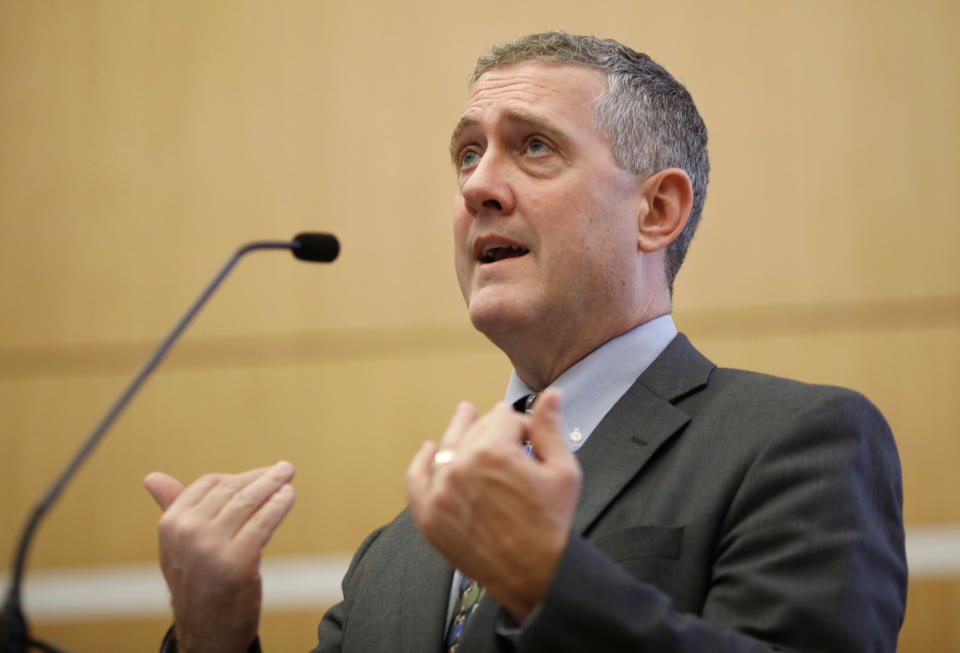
[637,425]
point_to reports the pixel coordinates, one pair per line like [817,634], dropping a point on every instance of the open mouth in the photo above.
[494,253]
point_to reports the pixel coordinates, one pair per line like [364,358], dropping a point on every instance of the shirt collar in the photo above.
[595,383]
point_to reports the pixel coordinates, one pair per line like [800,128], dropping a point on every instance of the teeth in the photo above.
[490,249]
[490,252]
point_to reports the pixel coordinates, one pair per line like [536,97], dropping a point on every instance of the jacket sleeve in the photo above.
[809,556]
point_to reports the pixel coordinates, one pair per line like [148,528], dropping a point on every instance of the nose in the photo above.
[489,188]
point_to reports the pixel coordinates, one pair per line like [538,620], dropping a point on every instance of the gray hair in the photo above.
[647,115]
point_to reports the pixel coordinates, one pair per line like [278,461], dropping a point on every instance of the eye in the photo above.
[469,158]
[537,146]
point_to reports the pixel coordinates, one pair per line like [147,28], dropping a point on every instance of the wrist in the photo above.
[184,641]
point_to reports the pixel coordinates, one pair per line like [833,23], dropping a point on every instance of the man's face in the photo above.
[545,222]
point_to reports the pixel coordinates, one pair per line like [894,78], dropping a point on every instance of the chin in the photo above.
[493,318]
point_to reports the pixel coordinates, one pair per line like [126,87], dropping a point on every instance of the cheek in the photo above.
[462,256]
[463,274]
[604,242]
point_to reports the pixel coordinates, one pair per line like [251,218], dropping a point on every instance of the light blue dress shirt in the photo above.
[594,384]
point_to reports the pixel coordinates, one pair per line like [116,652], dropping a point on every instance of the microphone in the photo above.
[14,632]
[319,248]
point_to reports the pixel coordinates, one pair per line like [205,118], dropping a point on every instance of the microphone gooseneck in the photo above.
[14,633]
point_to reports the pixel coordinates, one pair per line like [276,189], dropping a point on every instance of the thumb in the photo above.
[163,488]
[546,427]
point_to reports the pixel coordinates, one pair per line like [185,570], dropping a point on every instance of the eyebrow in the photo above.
[464,123]
[512,116]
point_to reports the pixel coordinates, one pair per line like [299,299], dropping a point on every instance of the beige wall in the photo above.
[140,142]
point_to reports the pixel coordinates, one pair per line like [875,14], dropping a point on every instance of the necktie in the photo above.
[525,404]
[470,591]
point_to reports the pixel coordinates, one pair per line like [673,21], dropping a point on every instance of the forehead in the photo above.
[558,93]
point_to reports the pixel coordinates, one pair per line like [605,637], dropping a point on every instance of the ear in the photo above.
[669,197]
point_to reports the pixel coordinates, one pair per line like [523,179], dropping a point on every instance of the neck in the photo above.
[540,355]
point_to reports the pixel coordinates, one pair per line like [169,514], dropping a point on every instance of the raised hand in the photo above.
[211,535]
[495,514]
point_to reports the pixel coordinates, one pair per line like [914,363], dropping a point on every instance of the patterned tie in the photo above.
[470,591]
[467,601]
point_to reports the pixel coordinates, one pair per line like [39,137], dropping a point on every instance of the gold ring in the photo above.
[442,457]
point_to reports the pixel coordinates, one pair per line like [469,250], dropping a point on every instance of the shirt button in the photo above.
[576,436]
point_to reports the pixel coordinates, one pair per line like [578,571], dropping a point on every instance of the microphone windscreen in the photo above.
[318,247]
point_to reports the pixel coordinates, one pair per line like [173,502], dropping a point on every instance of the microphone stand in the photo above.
[14,632]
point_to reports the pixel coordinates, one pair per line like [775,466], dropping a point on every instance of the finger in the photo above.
[546,427]
[198,490]
[502,426]
[163,488]
[247,500]
[463,417]
[257,530]
[417,480]
[210,502]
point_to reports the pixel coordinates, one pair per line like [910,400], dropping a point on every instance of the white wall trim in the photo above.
[934,551]
[138,590]
[304,582]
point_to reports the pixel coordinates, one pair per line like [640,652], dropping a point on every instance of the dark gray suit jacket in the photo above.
[721,510]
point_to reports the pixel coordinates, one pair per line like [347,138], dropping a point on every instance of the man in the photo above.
[704,509]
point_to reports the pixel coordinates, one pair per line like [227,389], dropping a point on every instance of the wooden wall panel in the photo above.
[150,138]
[931,623]
[351,428]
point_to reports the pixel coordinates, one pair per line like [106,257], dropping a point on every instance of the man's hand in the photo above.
[211,535]
[498,516]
